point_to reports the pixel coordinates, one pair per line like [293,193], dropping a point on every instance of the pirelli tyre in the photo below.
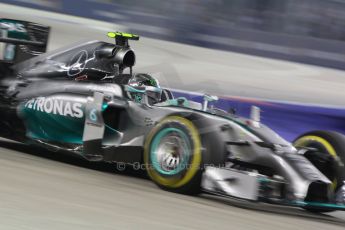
[329,157]
[174,155]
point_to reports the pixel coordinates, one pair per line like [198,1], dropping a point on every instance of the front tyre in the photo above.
[173,155]
[329,157]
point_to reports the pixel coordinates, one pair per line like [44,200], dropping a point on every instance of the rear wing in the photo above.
[21,40]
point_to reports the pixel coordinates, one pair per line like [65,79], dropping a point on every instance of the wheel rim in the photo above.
[170,152]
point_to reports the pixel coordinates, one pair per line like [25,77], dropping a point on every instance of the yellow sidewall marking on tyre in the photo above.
[302,142]
[196,156]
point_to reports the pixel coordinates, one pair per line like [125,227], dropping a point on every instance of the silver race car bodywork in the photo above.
[79,99]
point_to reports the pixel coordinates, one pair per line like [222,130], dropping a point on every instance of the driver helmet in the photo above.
[149,84]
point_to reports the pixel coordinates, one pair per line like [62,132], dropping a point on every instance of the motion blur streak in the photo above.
[308,31]
[63,195]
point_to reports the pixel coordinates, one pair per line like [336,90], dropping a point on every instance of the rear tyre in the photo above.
[329,158]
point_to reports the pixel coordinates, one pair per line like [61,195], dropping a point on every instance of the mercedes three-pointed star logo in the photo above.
[77,63]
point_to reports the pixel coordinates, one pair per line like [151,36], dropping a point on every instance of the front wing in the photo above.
[230,183]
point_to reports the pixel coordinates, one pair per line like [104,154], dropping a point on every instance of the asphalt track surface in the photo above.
[45,190]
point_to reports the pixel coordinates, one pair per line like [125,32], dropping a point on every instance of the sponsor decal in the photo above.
[93,115]
[56,106]
[148,121]
[77,63]
[13,27]
[81,78]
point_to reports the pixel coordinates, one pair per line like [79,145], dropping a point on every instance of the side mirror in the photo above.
[255,116]
[208,98]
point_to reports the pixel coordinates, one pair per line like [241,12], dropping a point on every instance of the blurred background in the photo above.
[307,31]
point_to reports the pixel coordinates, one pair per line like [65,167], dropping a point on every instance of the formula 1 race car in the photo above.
[85,99]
